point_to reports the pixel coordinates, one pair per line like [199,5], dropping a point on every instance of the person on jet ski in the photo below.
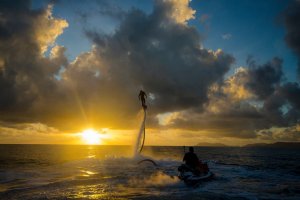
[192,161]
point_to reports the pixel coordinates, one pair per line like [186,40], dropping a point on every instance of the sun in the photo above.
[90,136]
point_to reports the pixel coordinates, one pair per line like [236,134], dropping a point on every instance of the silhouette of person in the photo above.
[142,97]
[191,159]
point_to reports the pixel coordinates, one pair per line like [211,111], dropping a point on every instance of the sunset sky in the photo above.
[218,71]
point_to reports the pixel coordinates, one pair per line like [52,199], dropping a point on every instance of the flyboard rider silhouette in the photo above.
[142,98]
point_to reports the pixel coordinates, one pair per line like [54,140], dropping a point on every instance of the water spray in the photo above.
[139,145]
[141,136]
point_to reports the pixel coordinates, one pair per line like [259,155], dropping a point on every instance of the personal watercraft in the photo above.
[193,177]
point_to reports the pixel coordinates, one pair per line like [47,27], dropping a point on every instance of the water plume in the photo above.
[139,143]
[157,179]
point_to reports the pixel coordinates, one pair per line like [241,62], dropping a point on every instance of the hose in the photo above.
[149,160]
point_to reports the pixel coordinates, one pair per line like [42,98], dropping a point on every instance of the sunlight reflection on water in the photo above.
[100,172]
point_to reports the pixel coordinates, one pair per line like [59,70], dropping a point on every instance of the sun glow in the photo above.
[90,136]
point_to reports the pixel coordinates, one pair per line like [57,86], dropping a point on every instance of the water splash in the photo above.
[157,179]
[139,143]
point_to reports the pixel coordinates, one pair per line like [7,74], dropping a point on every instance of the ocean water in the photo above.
[110,172]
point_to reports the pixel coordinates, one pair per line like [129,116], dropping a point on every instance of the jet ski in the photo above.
[193,177]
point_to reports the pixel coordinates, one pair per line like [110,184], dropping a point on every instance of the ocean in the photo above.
[111,172]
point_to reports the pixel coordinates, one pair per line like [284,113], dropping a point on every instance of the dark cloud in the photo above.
[291,92]
[292,24]
[155,51]
[264,79]
[253,99]
[26,75]
[272,110]
[163,57]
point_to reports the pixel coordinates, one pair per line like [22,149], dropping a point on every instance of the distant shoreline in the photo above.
[254,145]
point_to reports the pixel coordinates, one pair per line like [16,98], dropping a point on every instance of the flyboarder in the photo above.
[143,97]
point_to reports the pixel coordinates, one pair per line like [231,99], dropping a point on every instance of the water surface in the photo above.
[110,172]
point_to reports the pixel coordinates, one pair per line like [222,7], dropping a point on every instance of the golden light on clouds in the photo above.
[52,94]
[181,12]
[235,85]
[48,29]
[167,118]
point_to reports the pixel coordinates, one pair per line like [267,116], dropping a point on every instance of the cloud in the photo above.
[29,133]
[48,29]
[204,18]
[167,61]
[177,10]
[291,93]
[28,128]
[156,51]
[291,134]
[226,36]
[27,76]
[235,86]
[291,19]
[161,53]
[246,105]
[264,79]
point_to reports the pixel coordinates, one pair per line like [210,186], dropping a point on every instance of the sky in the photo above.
[215,71]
